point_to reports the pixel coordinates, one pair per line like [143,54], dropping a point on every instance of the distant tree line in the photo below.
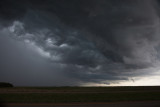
[5,84]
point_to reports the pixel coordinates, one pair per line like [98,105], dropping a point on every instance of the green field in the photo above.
[78,94]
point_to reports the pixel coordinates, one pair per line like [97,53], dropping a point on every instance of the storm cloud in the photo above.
[74,42]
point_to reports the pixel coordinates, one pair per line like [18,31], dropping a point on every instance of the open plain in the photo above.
[143,96]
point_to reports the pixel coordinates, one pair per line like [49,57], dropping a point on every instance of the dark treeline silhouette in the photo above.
[4,84]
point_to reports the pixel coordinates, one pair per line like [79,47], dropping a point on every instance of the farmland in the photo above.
[78,94]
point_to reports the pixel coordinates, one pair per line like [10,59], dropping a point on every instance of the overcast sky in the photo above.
[80,42]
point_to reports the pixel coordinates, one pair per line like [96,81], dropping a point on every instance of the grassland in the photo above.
[78,94]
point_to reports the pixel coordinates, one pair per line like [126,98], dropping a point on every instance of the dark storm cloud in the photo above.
[87,40]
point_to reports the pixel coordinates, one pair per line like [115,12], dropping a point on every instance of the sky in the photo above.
[80,42]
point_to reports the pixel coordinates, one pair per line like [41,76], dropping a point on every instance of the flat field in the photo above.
[79,94]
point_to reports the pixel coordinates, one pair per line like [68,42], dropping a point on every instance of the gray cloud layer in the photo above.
[82,41]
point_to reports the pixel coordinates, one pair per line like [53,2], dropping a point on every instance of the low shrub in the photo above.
[4,84]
